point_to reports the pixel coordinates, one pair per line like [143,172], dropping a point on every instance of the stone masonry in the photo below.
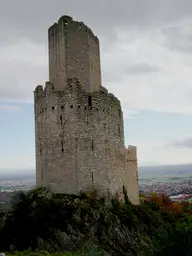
[78,124]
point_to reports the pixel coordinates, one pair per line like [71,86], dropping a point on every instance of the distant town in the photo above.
[173,181]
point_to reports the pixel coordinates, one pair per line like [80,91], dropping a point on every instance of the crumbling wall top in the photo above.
[131,153]
[38,89]
[67,22]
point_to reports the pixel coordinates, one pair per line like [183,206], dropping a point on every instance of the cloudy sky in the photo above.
[146,58]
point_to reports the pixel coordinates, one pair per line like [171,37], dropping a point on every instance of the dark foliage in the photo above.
[42,220]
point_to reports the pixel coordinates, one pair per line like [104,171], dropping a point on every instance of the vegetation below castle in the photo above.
[84,225]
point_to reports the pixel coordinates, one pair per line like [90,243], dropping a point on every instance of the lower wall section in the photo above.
[91,172]
[80,142]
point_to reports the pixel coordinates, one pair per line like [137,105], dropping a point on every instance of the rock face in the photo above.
[78,124]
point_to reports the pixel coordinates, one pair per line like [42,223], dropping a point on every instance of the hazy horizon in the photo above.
[150,170]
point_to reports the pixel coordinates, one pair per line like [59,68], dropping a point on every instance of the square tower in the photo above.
[73,52]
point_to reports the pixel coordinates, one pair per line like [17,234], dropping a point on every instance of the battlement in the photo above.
[103,89]
[52,31]
[75,86]
[38,90]
[67,23]
[131,153]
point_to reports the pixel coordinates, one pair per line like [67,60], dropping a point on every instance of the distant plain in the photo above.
[147,174]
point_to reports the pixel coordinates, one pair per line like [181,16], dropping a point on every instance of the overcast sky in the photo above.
[146,58]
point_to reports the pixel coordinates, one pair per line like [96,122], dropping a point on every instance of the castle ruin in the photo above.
[79,129]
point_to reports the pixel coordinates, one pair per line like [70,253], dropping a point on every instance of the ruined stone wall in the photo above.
[73,52]
[132,174]
[79,139]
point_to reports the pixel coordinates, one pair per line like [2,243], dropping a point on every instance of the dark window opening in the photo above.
[62,107]
[82,68]
[53,108]
[97,109]
[92,176]
[119,131]
[85,107]
[79,106]
[71,106]
[40,151]
[61,118]
[90,101]
[62,149]
[92,146]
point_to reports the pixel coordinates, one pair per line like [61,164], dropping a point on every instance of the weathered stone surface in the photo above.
[79,125]
[73,52]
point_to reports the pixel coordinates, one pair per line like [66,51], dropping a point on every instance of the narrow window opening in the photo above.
[90,101]
[71,106]
[53,108]
[62,149]
[62,107]
[92,176]
[92,146]
[61,118]
[119,131]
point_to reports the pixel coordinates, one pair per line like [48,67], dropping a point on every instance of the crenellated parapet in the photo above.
[131,153]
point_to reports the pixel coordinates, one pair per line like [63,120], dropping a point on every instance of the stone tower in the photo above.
[78,124]
[73,52]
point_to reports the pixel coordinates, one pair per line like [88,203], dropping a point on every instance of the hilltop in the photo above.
[40,220]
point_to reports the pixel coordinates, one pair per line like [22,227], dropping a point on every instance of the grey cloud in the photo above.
[187,143]
[143,68]
[31,18]
[178,37]
[17,85]
[130,70]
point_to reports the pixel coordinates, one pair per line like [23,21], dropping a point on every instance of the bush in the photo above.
[40,220]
